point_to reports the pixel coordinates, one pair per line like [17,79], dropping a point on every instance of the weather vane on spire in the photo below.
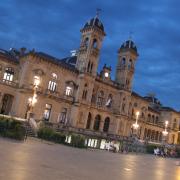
[98,10]
[130,35]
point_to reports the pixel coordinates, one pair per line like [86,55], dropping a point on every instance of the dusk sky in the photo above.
[54,27]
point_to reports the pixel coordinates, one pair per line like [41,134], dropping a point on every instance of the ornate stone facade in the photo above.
[71,93]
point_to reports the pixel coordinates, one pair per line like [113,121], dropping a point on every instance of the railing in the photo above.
[102,107]
[9,83]
[57,95]
[86,132]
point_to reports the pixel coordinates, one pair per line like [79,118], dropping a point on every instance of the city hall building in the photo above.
[72,94]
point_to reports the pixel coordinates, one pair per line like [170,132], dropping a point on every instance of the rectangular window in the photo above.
[8,74]
[52,86]
[63,116]
[47,112]
[68,91]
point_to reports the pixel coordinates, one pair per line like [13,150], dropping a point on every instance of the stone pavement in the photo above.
[35,160]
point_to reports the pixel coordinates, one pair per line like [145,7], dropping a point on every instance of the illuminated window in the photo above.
[52,86]
[63,116]
[47,112]
[8,74]
[52,83]
[69,91]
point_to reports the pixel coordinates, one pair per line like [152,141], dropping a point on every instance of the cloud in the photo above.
[54,27]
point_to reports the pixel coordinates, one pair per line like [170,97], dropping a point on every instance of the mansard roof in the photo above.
[164,108]
[67,63]
[9,56]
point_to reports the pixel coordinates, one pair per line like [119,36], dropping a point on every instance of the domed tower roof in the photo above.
[129,45]
[94,22]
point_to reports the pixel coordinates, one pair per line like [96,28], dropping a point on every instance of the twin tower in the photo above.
[89,51]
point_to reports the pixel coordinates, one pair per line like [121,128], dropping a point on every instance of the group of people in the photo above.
[164,152]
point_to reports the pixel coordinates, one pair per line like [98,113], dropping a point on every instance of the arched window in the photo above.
[121,127]
[174,124]
[84,96]
[130,109]
[63,116]
[152,119]
[86,41]
[123,107]
[153,135]
[91,67]
[93,98]
[97,122]
[88,67]
[157,120]
[70,85]
[145,133]
[123,61]
[95,43]
[149,118]
[148,133]
[106,124]
[100,99]
[88,124]
[52,83]
[8,74]
[156,136]
[130,64]
[109,101]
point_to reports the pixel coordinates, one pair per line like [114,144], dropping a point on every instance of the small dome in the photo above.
[94,22]
[129,45]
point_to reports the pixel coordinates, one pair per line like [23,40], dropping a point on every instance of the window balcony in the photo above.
[57,95]
[9,83]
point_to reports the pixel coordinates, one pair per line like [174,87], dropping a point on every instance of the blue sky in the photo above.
[54,27]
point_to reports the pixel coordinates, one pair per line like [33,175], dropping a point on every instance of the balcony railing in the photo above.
[9,83]
[102,107]
[57,95]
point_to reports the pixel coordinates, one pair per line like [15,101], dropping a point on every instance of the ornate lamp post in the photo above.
[33,100]
[165,132]
[135,126]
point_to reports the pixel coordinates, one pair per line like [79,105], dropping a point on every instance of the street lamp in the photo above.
[33,99]
[136,125]
[165,132]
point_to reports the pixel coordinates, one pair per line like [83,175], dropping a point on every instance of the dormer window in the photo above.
[8,74]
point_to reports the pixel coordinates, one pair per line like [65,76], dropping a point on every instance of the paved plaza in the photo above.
[35,160]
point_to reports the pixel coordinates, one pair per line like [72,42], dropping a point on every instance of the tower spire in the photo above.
[98,10]
[130,38]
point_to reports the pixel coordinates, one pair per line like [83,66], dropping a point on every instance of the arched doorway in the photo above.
[97,122]
[106,124]
[6,103]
